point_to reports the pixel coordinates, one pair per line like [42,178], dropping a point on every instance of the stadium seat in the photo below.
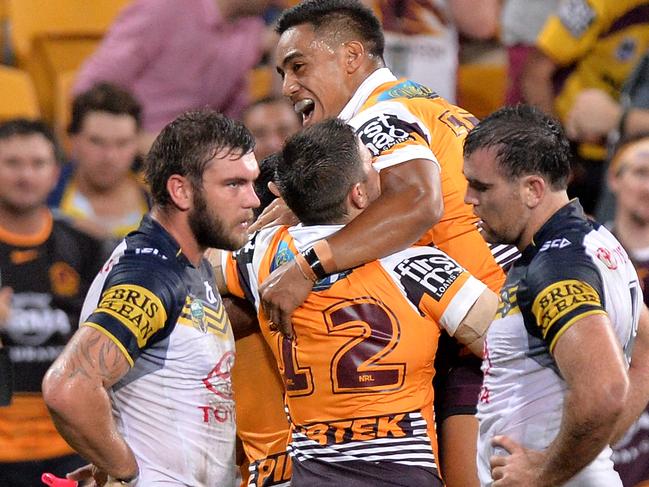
[481,87]
[17,94]
[63,105]
[49,37]
[260,82]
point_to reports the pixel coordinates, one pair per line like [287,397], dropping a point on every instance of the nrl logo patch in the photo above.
[197,313]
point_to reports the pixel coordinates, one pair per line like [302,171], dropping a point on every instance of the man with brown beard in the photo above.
[155,344]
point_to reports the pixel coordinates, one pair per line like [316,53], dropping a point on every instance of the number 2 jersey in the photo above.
[174,407]
[573,269]
[358,372]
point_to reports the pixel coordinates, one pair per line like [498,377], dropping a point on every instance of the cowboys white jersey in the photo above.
[174,407]
[574,268]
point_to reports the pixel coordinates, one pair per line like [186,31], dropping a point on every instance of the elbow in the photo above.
[428,207]
[610,401]
[58,395]
[617,395]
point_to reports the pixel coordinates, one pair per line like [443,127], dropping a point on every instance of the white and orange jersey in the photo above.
[399,120]
[358,372]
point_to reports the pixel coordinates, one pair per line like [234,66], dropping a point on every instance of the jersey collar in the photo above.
[569,211]
[363,92]
[157,233]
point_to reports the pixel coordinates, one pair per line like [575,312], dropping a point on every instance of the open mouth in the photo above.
[305,108]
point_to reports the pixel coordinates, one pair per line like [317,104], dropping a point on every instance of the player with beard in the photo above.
[155,344]
[566,356]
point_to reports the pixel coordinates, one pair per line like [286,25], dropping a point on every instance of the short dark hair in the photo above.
[25,127]
[348,16]
[527,142]
[318,168]
[188,144]
[103,97]
[267,168]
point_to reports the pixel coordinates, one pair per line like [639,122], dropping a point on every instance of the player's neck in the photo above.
[632,231]
[364,72]
[28,222]
[553,202]
[177,225]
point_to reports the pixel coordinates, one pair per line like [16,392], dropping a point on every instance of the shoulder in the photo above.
[422,270]
[139,261]
[564,255]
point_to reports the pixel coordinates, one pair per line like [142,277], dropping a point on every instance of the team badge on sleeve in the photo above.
[137,308]
[384,131]
[429,274]
[563,303]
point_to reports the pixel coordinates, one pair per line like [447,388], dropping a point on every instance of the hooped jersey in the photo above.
[573,269]
[596,44]
[399,120]
[174,407]
[358,371]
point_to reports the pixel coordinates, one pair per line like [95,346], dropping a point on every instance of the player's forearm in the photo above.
[82,415]
[586,429]
[393,222]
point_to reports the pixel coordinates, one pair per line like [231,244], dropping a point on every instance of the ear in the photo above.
[274,189]
[358,196]
[534,189]
[180,191]
[354,55]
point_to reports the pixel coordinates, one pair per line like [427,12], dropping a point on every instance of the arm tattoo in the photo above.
[94,355]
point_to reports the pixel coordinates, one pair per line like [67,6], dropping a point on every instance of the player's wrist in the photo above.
[319,260]
[127,481]
[305,268]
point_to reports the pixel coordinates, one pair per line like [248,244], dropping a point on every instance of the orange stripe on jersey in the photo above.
[232,276]
[27,431]
[264,436]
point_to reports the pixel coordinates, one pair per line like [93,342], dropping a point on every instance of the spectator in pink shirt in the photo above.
[180,55]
